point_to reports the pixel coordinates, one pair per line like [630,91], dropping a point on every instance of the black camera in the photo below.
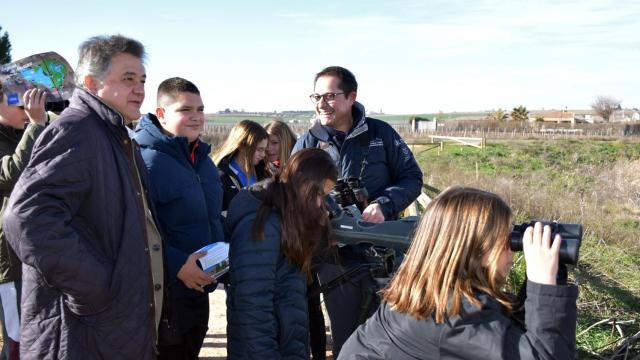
[56,106]
[350,191]
[571,236]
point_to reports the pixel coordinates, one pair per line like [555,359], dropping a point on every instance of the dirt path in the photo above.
[215,343]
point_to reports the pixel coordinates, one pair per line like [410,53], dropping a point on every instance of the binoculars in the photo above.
[56,106]
[570,234]
[350,191]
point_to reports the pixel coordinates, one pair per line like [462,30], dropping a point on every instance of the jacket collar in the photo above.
[320,132]
[83,98]
[149,134]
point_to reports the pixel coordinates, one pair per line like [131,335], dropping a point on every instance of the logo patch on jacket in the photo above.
[376,142]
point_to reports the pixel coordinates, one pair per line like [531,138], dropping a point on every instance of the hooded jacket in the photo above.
[374,152]
[187,196]
[76,219]
[267,295]
[480,333]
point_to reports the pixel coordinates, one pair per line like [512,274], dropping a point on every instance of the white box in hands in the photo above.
[216,261]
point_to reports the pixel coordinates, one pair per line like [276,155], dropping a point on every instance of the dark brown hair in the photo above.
[174,86]
[293,195]
[348,83]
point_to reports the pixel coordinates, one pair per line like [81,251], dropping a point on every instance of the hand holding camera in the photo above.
[34,105]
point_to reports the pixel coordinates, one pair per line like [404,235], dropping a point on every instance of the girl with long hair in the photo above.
[275,231]
[281,141]
[446,300]
[240,159]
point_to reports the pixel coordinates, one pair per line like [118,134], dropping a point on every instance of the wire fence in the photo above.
[217,131]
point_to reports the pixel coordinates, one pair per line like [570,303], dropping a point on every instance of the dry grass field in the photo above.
[592,182]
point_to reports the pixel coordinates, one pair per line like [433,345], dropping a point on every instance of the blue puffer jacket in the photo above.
[267,295]
[390,170]
[188,197]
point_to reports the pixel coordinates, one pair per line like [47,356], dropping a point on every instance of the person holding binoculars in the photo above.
[446,300]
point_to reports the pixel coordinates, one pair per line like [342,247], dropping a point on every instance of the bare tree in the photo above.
[605,106]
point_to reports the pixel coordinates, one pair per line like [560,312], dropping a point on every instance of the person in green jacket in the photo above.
[20,126]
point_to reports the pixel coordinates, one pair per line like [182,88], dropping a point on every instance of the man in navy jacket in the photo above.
[364,148]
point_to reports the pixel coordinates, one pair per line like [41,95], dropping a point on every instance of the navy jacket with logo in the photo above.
[390,170]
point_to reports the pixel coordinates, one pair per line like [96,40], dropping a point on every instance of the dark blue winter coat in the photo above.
[187,197]
[390,170]
[267,295]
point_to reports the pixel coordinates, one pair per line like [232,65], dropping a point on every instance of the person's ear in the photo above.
[160,114]
[352,96]
[90,83]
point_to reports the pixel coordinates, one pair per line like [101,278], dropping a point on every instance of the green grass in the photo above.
[440,116]
[595,183]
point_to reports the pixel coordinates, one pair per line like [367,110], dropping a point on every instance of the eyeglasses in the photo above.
[330,96]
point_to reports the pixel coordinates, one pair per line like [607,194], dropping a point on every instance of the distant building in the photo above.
[419,124]
[554,116]
[624,116]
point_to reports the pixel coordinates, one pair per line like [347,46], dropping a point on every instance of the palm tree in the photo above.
[520,113]
[498,115]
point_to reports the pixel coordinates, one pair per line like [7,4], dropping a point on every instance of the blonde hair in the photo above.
[243,140]
[455,253]
[286,136]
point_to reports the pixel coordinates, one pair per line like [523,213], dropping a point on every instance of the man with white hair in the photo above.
[81,222]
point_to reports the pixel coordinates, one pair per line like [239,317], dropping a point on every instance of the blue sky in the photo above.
[409,56]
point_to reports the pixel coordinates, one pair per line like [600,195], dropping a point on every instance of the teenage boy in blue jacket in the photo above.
[186,191]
